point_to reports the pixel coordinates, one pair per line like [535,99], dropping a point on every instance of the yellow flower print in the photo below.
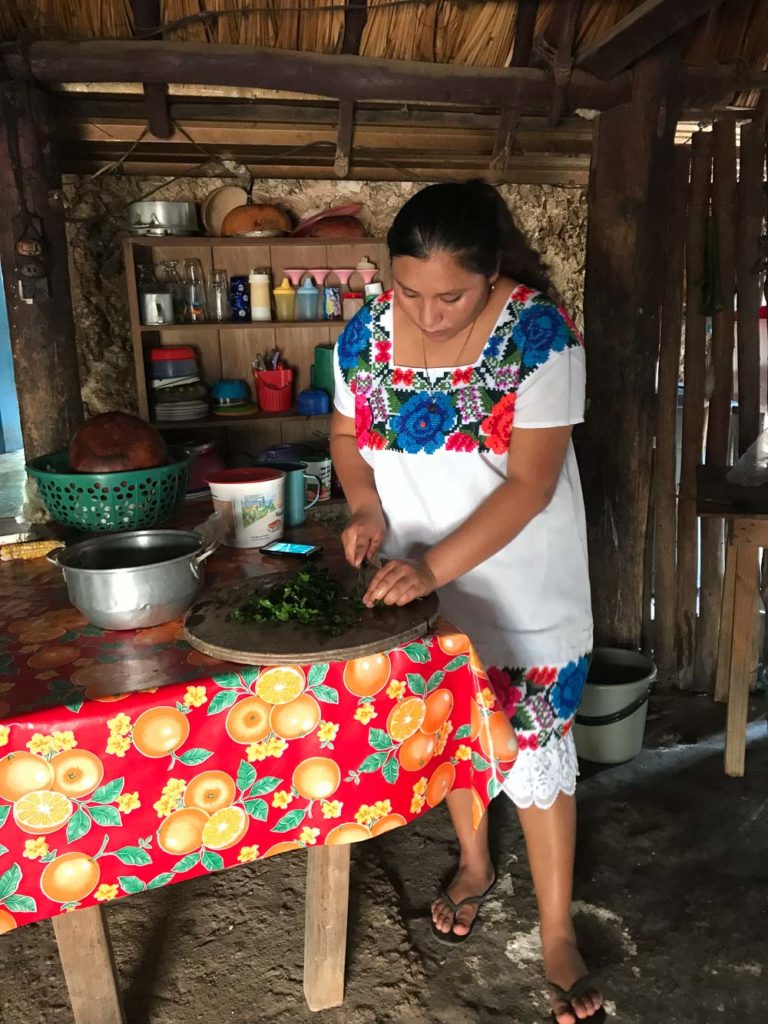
[442,737]
[195,696]
[41,744]
[381,808]
[365,815]
[34,848]
[331,808]
[247,854]
[5,732]
[485,699]
[256,752]
[120,725]
[327,732]
[417,803]
[463,753]
[118,745]
[128,802]
[64,741]
[172,793]
[420,787]
[106,892]
[396,689]
[275,747]
[282,798]
[309,836]
[365,713]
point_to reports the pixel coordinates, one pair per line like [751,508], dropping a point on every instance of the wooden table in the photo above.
[745,511]
[70,690]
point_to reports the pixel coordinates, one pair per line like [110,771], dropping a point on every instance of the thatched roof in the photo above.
[546,143]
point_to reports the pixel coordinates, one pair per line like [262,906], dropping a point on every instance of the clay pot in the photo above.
[114,442]
[255,217]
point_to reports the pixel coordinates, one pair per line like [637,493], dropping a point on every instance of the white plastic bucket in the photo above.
[610,724]
[252,502]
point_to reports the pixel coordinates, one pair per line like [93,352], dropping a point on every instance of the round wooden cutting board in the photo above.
[208,626]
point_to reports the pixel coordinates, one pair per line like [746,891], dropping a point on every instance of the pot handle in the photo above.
[53,557]
[205,553]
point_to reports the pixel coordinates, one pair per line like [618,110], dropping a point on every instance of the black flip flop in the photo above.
[450,938]
[579,988]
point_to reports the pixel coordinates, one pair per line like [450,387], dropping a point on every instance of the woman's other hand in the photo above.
[400,582]
[363,535]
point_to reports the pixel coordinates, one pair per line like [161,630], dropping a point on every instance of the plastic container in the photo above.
[331,303]
[239,298]
[207,462]
[130,500]
[285,300]
[274,389]
[351,304]
[252,502]
[307,300]
[610,725]
[313,402]
[373,291]
[165,363]
[261,302]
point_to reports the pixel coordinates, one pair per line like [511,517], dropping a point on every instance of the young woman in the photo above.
[455,398]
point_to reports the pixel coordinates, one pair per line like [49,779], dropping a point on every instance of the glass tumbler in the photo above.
[218,296]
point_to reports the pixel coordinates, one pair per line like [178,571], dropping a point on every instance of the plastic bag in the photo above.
[751,470]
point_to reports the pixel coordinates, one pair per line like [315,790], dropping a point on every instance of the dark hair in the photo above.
[472,222]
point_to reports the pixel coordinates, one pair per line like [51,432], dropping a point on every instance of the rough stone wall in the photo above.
[553,218]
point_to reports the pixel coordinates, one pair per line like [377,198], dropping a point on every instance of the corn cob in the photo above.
[28,549]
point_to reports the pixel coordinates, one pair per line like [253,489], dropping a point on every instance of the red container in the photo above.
[274,389]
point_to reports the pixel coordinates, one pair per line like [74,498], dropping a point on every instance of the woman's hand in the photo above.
[400,582]
[363,535]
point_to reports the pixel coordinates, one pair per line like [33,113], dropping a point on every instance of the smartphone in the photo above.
[284,547]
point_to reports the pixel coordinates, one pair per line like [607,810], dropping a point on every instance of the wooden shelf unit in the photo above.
[228,349]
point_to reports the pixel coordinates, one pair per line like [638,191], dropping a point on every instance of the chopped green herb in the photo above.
[311,597]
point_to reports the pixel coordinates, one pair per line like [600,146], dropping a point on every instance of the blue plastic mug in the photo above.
[296,479]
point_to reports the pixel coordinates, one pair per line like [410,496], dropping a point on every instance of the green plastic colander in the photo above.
[135,500]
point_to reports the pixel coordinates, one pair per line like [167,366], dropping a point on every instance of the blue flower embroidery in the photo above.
[567,691]
[492,349]
[423,422]
[539,331]
[354,339]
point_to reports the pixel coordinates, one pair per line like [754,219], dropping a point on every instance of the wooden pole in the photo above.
[749,222]
[628,190]
[693,409]
[666,425]
[37,288]
[86,956]
[719,416]
[147,15]
[325,934]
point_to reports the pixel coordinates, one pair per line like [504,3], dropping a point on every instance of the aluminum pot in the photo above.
[159,218]
[137,579]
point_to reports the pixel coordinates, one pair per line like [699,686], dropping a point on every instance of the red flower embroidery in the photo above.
[460,443]
[404,377]
[567,728]
[498,426]
[363,421]
[383,351]
[509,695]
[522,293]
[572,326]
[528,742]
[353,385]
[376,441]
[462,376]
[541,676]
[386,297]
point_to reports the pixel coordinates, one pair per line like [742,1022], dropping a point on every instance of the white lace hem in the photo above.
[539,776]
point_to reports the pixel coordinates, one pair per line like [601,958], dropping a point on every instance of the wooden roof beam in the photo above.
[649,24]
[525,27]
[146,15]
[341,76]
[355,17]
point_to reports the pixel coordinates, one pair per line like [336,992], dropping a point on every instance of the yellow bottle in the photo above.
[285,300]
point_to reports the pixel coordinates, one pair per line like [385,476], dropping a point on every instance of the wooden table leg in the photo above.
[89,968]
[725,639]
[743,664]
[325,930]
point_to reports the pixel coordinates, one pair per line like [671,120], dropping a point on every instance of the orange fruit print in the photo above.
[297,718]
[76,773]
[70,878]
[416,752]
[365,677]
[497,739]
[349,832]
[22,773]
[248,720]
[210,791]
[405,718]
[439,707]
[7,923]
[158,731]
[182,831]
[316,778]
[440,783]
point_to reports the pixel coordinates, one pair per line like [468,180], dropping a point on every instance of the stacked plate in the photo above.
[172,411]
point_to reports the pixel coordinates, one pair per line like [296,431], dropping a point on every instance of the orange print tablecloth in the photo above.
[129,761]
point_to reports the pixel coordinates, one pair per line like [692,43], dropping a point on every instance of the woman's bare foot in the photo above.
[564,966]
[468,881]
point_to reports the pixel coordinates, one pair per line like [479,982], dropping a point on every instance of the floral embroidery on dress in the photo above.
[463,409]
[540,701]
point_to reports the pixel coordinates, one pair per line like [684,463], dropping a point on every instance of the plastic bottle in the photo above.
[307,300]
[285,300]
[366,270]
[261,304]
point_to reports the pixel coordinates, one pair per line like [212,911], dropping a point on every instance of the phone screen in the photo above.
[281,547]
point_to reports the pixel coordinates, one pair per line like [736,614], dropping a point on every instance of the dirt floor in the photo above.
[671,899]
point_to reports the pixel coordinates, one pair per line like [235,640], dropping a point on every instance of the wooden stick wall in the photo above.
[714,230]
